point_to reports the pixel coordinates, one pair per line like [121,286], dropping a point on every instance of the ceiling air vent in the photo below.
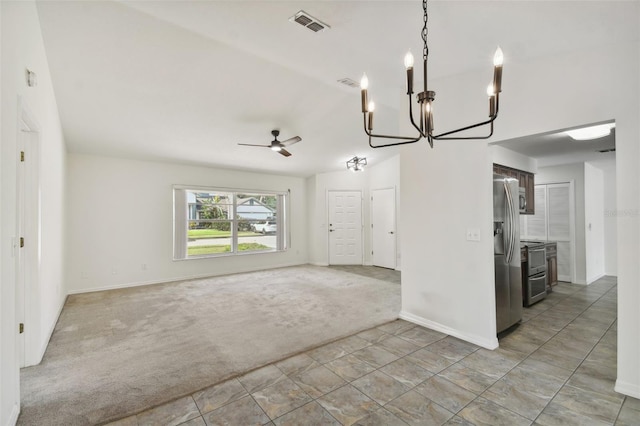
[607,150]
[349,82]
[308,21]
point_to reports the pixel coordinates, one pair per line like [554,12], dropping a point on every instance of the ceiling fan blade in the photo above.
[250,144]
[291,141]
[285,152]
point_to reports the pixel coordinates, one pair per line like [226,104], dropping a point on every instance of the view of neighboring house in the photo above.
[248,208]
[252,208]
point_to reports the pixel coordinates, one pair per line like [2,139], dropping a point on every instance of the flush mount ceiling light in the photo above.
[591,132]
[425,100]
[356,164]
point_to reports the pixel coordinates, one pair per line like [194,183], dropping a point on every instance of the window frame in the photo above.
[181,220]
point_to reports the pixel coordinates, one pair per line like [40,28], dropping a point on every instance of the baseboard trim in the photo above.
[476,340]
[45,343]
[592,280]
[178,279]
[319,263]
[626,388]
[13,417]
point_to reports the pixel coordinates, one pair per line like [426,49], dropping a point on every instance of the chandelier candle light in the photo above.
[425,100]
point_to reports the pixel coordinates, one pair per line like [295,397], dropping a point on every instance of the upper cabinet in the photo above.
[526,180]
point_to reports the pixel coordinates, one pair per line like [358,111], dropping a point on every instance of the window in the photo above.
[217,222]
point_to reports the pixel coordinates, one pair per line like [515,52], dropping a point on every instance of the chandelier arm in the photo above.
[490,121]
[405,139]
[391,144]
[441,136]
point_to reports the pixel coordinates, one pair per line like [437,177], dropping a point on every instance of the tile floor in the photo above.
[556,368]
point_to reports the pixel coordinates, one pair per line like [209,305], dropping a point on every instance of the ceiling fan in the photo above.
[276,145]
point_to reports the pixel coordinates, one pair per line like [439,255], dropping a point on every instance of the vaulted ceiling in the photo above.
[186,81]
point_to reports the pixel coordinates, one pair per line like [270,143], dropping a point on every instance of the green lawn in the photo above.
[200,250]
[196,234]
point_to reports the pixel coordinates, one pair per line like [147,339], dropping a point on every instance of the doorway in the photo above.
[345,227]
[383,228]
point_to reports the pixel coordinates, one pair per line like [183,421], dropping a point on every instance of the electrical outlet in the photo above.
[143,266]
[473,234]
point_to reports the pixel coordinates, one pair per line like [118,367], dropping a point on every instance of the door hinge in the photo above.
[21,242]
[21,328]
[372,252]
[22,156]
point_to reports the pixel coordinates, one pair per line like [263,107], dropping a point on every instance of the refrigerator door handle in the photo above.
[509,234]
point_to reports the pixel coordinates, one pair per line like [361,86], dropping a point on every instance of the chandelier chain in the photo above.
[425,31]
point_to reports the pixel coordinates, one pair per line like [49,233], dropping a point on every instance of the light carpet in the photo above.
[114,353]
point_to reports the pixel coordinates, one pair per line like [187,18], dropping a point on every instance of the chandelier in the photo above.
[425,101]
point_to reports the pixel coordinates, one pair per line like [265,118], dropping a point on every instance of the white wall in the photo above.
[375,176]
[515,160]
[120,217]
[461,277]
[610,221]
[447,281]
[594,222]
[572,173]
[22,47]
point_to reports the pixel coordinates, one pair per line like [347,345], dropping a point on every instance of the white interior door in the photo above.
[552,221]
[19,249]
[383,228]
[559,226]
[27,251]
[345,227]
[536,225]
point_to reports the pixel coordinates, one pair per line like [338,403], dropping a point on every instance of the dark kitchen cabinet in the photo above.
[526,181]
[524,269]
[552,264]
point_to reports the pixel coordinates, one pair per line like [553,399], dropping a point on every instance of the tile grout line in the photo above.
[581,362]
[378,369]
[529,355]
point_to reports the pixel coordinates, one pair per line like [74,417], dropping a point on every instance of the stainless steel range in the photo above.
[535,285]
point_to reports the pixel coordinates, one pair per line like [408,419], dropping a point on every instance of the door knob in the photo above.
[391,232]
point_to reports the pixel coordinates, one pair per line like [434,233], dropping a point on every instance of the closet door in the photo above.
[536,225]
[559,226]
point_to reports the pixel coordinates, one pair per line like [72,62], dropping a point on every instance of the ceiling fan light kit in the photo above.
[276,145]
[425,100]
[356,164]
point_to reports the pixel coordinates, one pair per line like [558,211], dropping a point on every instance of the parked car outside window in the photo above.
[267,227]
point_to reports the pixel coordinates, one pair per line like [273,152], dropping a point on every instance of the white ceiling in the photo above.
[185,81]
[556,147]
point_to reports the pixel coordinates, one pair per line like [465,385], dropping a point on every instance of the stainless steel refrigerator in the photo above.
[506,251]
